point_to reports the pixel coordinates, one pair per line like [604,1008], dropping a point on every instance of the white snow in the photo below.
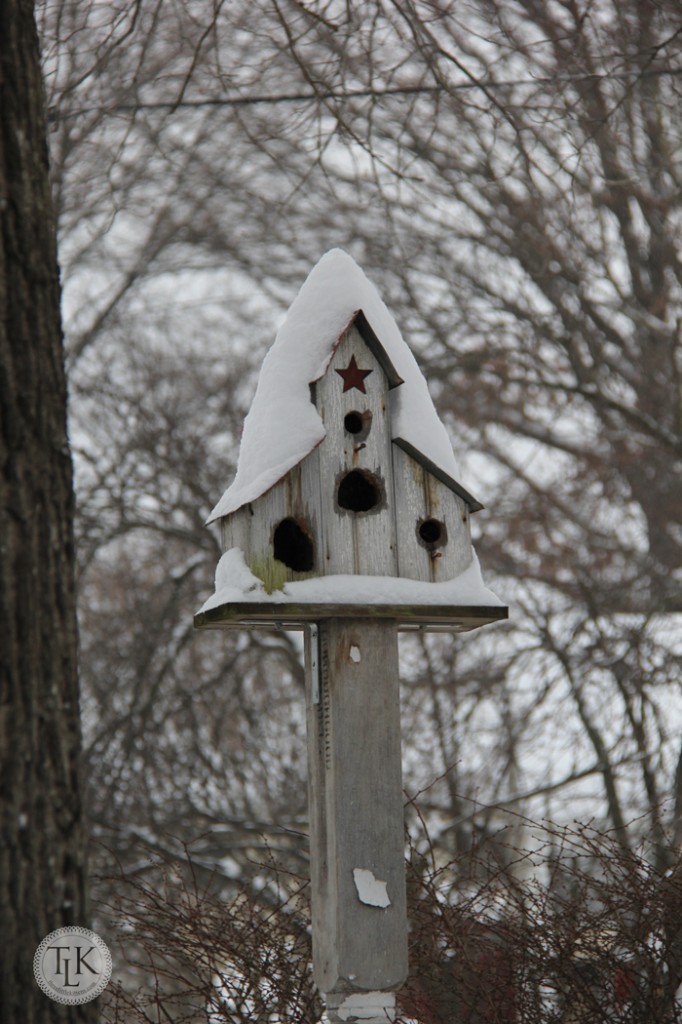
[235,583]
[370,889]
[283,425]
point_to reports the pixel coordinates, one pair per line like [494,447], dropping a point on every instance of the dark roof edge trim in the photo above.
[440,474]
[360,321]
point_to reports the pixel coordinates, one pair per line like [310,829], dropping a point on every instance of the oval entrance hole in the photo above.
[359,492]
[293,546]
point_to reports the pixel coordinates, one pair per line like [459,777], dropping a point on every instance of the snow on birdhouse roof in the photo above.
[283,425]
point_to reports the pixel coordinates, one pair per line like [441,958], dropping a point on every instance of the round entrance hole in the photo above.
[353,422]
[432,532]
[359,491]
[293,546]
[357,423]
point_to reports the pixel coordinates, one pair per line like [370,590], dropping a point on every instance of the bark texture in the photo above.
[42,858]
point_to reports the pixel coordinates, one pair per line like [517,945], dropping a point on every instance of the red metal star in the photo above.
[353,376]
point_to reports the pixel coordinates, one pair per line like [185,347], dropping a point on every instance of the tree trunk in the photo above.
[42,845]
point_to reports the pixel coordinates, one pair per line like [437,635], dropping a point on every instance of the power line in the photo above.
[54,115]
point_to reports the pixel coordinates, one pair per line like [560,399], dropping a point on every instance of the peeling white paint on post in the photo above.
[371,890]
[356,815]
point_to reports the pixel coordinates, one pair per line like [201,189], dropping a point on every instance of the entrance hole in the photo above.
[293,546]
[358,423]
[432,533]
[359,491]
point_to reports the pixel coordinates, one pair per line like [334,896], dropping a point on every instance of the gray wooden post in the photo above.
[356,817]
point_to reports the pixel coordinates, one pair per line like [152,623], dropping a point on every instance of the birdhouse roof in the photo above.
[283,425]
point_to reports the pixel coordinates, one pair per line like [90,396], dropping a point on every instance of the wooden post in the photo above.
[356,817]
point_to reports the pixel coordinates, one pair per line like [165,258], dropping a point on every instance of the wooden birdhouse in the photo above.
[346,519]
[346,494]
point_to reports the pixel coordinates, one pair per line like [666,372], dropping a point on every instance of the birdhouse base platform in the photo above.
[296,616]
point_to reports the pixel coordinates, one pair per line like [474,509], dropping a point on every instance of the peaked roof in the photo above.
[283,425]
[370,339]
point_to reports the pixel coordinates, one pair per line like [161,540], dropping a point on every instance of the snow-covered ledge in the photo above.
[241,599]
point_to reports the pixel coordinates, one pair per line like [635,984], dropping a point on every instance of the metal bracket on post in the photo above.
[313,634]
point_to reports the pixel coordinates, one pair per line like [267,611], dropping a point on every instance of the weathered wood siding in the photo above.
[356,542]
[420,497]
[253,526]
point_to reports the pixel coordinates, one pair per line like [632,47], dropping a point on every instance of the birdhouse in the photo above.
[347,519]
[346,498]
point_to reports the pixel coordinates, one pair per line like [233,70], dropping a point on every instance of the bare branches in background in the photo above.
[510,177]
[595,936]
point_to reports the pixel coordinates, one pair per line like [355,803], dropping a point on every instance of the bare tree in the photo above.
[509,175]
[42,862]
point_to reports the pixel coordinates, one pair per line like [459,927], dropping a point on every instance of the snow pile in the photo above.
[283,425]
[236,584]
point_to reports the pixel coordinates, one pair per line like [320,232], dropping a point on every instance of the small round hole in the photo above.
[432,532]
[353,423]
[358,492]
[358,423]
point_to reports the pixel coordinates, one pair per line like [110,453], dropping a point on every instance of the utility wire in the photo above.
[56,115]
